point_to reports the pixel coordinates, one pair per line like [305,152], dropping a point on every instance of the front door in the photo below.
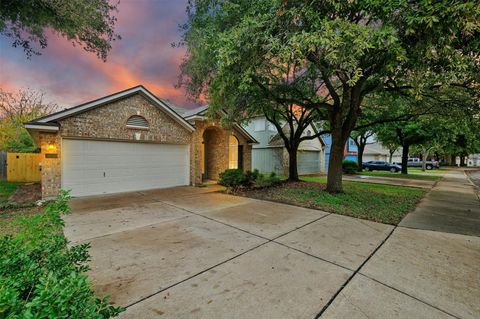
[240,157]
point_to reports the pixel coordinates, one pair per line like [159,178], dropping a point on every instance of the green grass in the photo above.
[381,203]
[6,190]
[408,176]
[438,171]
[9,215]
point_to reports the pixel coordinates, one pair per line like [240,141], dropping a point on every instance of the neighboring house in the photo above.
[270,154]
[375,151]
[132,140]
[350,152]
[473,160]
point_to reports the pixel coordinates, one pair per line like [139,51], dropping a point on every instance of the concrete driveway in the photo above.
[195,253]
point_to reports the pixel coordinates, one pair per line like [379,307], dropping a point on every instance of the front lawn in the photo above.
[398,175]
[381,203]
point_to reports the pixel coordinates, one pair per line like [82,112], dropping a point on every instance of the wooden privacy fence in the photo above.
[3,165]
[23,167]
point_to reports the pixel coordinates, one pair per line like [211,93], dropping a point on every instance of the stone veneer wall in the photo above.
[109,122]
[49,143]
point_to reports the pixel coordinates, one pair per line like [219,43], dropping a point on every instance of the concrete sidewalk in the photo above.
[452,206]
[431,271]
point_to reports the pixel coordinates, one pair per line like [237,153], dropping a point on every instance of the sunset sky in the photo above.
[69,75]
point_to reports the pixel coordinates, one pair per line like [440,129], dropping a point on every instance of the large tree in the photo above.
[361,138]
[242,51]
[17,108]
[87,23]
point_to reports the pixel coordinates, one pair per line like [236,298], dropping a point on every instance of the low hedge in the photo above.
[236,178]
[349,167]
[41,277]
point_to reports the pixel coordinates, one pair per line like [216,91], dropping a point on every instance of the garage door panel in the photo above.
[308,162]
[100,167]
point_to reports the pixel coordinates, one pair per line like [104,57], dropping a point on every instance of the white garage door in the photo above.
[99,167]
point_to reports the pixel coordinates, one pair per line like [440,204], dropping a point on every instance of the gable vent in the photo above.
[137,121]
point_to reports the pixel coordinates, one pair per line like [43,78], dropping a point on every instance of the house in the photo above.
[375,151]
[473,160]
[350,150]
[132,140]
[270,154]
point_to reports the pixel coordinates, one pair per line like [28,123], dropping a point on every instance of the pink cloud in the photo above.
[69,75]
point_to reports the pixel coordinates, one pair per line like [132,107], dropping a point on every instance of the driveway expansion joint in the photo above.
[353,274]
[408,295]
[267,241]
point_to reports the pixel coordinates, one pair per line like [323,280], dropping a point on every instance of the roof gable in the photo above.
[47,120]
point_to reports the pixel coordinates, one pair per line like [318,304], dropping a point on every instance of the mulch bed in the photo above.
[26,194]
[271,192]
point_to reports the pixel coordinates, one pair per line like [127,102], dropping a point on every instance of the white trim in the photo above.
[41,127]
[195,117]
[114,97]
[246,134]
[139,127]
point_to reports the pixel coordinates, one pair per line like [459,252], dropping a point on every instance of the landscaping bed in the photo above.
[381,203]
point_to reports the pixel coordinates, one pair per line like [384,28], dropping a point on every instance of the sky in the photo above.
[69,75]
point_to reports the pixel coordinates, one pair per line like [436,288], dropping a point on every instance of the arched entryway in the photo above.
[213,156]
[220,150]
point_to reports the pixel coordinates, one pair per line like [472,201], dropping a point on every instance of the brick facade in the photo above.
[108,122]
[216,150]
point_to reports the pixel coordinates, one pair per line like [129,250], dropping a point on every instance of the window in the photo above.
[309,133]
[259,125]
[232,152]
[137,121]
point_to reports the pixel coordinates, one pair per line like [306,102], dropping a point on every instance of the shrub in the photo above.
[41,277]
[251,177]
[349,167]
[264,181]
[232,178]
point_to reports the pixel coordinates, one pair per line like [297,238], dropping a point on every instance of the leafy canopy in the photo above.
[246,54]
[15,109]
[87,23]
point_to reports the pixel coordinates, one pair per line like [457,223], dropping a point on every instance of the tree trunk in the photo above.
[424,158]
[448,159]
[292,165]
[335,172]
[361,149]
[390,159]
[405,158]
[462,160]
[453,161]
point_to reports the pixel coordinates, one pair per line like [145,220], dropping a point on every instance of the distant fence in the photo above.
[23,167]
[3,165]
